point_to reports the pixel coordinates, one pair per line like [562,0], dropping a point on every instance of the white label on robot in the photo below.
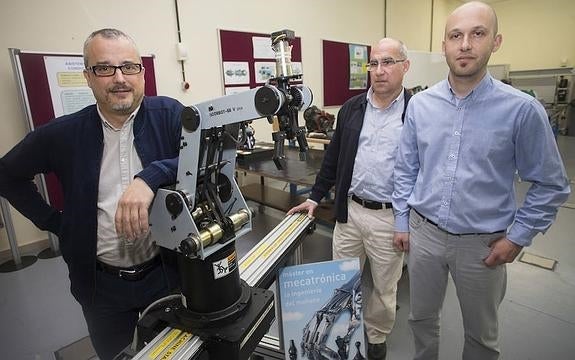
[225,266]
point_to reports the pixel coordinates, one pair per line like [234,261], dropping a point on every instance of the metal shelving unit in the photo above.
[550,88]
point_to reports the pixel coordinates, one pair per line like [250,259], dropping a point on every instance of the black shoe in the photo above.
[376,351]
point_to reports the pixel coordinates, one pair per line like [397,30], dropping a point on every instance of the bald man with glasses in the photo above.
[359,162]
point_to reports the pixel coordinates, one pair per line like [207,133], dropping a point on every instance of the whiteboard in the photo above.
[499,71]
[426,69]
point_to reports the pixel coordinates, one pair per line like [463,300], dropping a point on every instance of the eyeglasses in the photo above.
[386,63]
[110,70]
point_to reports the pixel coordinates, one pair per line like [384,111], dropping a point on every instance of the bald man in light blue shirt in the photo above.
[454,200]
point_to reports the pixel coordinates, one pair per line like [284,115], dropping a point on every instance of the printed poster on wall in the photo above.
[296,68]
[236,72]
[264,71]
[235,90]
[357,67]
[68,87]
[262,48]
[321,312]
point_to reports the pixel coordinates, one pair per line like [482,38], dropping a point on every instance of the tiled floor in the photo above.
[38,315]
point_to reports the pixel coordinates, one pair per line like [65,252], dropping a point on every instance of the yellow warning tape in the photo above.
[174,348]
[283,236]
[265,251]
[164,344]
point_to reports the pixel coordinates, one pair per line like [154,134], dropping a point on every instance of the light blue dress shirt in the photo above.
[376,150]
[458,157]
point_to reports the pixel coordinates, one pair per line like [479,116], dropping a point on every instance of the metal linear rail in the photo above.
[257,268]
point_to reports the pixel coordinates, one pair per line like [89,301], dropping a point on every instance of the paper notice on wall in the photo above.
[357,67]
[236,73]
[262,48]
[68,87]
[264,71]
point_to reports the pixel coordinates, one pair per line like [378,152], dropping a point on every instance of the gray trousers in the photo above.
[433,254]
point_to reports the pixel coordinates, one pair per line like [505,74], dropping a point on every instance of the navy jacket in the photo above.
[71,147]
[339,158]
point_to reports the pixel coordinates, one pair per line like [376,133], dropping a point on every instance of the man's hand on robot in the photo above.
[132,213]
[306,206]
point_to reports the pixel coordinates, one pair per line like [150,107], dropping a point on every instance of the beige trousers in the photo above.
[368,235]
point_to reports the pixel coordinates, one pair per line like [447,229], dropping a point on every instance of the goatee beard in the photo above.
[123,109]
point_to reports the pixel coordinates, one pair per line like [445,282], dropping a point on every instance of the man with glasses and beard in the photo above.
[110,158]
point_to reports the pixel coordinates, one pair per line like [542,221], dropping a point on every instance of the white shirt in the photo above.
[120,162]
[377,147]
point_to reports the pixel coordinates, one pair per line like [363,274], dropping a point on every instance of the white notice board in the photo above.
[426,69]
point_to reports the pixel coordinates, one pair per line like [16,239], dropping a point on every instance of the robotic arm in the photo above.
[206,207]
[201,215]
[287,116]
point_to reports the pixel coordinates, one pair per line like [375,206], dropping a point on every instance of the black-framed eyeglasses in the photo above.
[386,63]
[110,70]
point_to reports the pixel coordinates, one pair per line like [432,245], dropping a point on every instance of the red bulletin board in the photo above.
[336,73]
[33,83]
[238,46]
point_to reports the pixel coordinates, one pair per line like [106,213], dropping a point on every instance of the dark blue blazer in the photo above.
[339,158]
[71,147]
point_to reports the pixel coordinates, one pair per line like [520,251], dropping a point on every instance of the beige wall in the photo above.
[62,25]
[410,22]
[338,20]
[442,8]
[537,34]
